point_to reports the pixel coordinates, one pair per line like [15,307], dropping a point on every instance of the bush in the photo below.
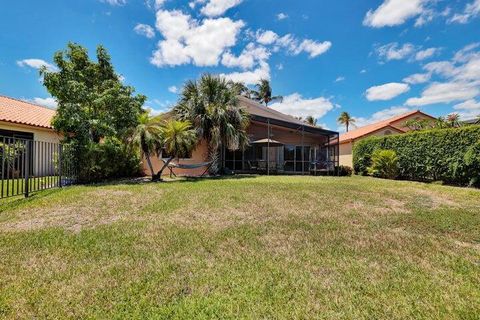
[472,160]
[430,155]
[384,164]
[344,171]
[107,160]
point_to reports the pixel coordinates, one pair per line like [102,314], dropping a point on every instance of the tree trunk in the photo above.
[158,176]
[150,166]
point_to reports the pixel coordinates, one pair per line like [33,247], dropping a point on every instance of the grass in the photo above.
[248,247]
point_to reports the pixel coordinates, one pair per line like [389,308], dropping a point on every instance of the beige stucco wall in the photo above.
[199,155]
[346,158]
[39,134]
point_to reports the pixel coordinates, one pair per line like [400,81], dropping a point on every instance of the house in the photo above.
[279,144]
[21,121]
[395,125]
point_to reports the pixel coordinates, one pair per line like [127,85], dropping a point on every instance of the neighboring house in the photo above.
[395,125]
[22,120]
[279,144]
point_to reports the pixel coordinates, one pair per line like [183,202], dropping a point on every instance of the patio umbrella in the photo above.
[266,142]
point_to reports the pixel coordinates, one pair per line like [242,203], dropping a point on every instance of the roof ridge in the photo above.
[27,102]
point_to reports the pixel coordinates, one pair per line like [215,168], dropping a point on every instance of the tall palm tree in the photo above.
[211,105]
[148,137]
[453,120]
[178,140]
[311,121]
[263,94]
[346,120]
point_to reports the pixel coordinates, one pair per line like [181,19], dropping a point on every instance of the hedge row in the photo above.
[430,155]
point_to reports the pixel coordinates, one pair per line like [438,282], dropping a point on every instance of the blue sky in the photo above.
[374,58]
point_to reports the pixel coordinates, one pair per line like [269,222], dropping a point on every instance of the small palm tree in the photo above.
[311,121]
[440,123]
[178,141]
[241,89]
[148,137]
[453,120]
[346,120]
[263,94]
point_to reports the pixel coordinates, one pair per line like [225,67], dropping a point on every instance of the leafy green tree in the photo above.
[92,101]
[147,136]
[263,94]
[93,106]
[346,119]
[211,105]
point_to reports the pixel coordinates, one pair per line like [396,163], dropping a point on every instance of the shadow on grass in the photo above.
[20,200]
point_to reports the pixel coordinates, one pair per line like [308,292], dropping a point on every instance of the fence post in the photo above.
[60,164]
[27,167]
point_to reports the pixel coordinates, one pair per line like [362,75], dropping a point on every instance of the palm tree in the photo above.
[311,121]
[346,120]
[211,105]
[241,89]
[263,94]
[453,120]
[148,137]
[178,140]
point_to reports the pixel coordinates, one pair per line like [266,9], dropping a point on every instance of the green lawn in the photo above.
[249,247]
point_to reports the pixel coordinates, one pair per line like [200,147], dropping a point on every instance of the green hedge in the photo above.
[430,155]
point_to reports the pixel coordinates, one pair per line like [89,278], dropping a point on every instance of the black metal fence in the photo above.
[29,166]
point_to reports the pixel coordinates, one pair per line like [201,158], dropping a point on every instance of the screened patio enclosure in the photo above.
[280,147]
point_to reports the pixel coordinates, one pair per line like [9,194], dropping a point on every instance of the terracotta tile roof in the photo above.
[371,128]
[17,111]
[257,109]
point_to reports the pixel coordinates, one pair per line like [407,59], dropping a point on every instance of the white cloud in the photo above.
[295,47]
[282,16]
[471,11]
[115,2]
[444,93]
[460,79]
[394,12]
[36,64]
[173,89]
[339,79]
[144,30]
[417,78]
[314,48]
[469,109]
[250,77]
[296,105]
[215,8]
[392,51]
[188,40]
[363,71]
[387,91]
[46,102]
[380,116]
[249,57]
[266,37]
[425,54]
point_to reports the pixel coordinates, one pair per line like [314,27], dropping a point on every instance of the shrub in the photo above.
[384,164]
[472,160]
[430,155]
[344,171]
[107,160]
